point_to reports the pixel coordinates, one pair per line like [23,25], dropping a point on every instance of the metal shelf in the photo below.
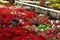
[44,8]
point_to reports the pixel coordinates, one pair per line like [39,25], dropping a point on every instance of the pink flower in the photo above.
[35,29]
[58,26]
[58,35]
[43,34]
[51,30]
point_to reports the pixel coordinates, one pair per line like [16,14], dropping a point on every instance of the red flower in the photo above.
[8,5]
[17,32]
[52,35]
[40,38]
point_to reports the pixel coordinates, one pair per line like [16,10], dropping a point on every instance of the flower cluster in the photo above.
[52,33]
[12,25]
[18,33]
[8,16]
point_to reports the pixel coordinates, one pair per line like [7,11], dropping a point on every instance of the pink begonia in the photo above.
[35,29]
[43,34]
[51,30]
[58,26]
[58,35]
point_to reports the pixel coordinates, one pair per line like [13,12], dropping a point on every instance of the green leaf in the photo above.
[26,26]
[44,26]
[14,23]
